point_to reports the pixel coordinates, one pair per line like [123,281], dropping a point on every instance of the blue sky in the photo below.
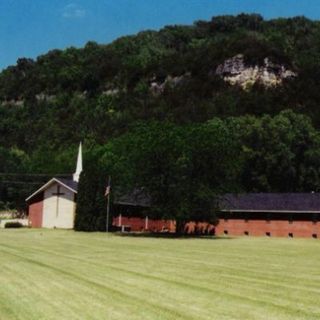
[32,27]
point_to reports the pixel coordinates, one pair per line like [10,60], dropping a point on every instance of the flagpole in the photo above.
[108,205]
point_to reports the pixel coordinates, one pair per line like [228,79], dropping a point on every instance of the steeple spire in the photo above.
[76,175]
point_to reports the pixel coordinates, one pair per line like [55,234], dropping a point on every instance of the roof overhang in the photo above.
[132,204]
[271,211]
[45,186]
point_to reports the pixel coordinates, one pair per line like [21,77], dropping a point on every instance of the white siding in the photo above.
[58,213]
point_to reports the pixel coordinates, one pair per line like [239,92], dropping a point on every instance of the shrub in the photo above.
[13,225]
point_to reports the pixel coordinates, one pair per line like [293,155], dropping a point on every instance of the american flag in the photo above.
[108,188]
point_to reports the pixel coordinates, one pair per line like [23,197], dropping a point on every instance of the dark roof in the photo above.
[137,198]
[272,202]
[69,182]
[284,202]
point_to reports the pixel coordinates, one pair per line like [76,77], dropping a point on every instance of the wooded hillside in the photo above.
[178,74]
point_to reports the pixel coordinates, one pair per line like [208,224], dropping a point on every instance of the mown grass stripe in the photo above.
[195,279]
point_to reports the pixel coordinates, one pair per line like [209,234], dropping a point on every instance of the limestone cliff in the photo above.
[236,72]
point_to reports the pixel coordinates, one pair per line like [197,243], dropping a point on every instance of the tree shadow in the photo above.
[162,235]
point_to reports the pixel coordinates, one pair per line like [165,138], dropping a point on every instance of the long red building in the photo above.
[253,214]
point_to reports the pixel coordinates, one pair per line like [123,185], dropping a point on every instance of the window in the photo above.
[225,232]
[268,234]
[314,236]
[246,233]
[290,235]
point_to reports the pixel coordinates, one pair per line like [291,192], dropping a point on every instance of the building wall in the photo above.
[137,224]
[58,212]
[273,228]
[232,227]
[35,209]
[141,224]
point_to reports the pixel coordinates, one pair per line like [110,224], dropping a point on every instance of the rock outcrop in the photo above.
[158,87]
[236,72]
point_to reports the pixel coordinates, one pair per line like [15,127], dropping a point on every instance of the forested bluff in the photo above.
[226,105]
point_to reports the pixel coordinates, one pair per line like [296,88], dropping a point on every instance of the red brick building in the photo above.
[271,214]
[253,214]
[131,212]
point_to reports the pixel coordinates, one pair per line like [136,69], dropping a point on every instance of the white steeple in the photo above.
[76,175]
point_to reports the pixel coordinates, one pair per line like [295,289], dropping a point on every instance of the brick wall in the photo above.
[273,228]
[233,227]
[140,224]
[35,211]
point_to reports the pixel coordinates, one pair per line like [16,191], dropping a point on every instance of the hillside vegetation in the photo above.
[183,76]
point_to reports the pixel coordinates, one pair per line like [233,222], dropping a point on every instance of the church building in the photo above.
[53,205]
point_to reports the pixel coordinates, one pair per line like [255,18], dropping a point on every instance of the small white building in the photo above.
[54,204]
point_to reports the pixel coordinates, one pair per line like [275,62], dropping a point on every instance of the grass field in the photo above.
[68,275]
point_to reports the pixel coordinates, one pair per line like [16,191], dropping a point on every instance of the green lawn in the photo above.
[67,275]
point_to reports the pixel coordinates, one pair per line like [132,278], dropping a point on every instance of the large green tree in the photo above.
[282,153]
[184,169]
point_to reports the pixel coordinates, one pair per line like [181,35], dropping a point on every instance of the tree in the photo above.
[13,186]
[183,169]
[91,209]
[281,153]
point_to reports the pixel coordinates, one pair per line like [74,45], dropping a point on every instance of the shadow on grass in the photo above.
[170,236]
